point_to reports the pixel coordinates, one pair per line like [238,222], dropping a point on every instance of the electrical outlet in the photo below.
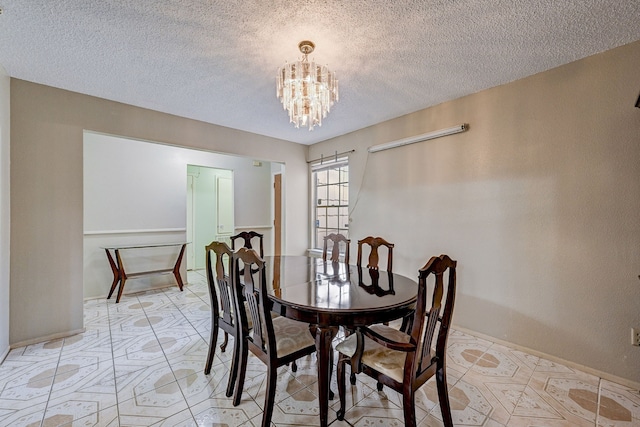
[635,336]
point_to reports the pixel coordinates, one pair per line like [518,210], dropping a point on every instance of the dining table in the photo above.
[328,295]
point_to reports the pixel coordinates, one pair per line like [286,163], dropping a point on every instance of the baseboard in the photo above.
[4,355]
[46,338]
[604,375]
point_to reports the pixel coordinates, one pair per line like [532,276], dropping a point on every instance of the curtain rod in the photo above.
[335,156]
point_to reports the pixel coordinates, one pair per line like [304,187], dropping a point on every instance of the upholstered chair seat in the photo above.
[384,360]
[291,336]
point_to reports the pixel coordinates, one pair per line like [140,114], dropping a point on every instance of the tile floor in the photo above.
[140,363]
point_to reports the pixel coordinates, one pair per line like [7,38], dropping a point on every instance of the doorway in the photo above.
[209,210]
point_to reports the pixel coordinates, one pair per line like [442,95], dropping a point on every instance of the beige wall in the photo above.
[47,127]
[539,202]
[5,223]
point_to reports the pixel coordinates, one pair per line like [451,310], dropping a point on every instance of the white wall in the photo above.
[135,192]
[538,201]
[4,211]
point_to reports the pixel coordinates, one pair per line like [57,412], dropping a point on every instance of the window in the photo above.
[331,199]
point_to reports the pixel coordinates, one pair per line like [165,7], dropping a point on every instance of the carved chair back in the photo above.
[375,243]
[432,322]
[253,289]
[336,239]
[247,237]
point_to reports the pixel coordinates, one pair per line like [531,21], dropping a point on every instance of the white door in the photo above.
[209,210]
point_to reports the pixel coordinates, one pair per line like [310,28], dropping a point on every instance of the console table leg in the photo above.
[176,268]
[123,276]
[115,271]
[120,276]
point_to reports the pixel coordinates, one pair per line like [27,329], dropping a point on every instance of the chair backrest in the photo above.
[375,243]
[220,281]
[426,320]
[246,237]
[336,239]
[252,284]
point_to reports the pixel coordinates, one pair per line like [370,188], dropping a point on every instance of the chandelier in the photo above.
[307,91]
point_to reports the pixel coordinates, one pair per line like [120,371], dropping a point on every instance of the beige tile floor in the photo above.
[140,363]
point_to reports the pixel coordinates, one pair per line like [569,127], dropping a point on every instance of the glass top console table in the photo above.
[120,276]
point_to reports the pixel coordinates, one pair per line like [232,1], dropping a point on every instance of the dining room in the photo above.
[536,200]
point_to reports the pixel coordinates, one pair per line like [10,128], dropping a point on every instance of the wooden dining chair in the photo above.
[223,310]
[247,237]
[375,243]
[275,341]
[404,361]
[336,239]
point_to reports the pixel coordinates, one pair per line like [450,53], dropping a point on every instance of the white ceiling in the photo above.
[216,60]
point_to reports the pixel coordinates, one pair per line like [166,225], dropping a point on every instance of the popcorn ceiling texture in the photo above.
[216,60]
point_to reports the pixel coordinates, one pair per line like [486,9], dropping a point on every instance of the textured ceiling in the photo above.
[216,60]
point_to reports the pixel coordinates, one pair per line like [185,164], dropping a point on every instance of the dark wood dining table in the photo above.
[329,295]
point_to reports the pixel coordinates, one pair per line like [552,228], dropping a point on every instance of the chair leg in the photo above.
[294,366]
[223,346]
[242,368]
[356,358]
[233,373]
[408,406]
[341,387]
[270,395]
[213,340]
[443,396]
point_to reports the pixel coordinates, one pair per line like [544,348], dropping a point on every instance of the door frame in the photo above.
[277,213]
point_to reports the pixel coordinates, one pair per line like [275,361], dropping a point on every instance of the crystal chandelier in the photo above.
[306,90]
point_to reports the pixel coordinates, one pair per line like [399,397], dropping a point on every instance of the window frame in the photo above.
[342,166]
